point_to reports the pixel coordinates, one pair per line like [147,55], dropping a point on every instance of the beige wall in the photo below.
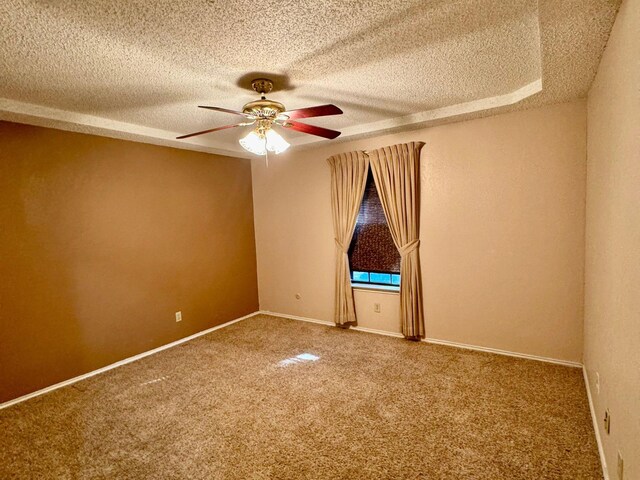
[612,281]
[502,232]
[103,240]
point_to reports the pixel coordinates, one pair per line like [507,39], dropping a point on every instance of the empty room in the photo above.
[341,239]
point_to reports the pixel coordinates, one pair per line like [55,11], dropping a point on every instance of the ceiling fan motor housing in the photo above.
[264,108]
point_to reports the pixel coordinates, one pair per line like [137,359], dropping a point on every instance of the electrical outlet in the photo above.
[607,421]
[620,467]
[376,307]
[597,383]
[178,316]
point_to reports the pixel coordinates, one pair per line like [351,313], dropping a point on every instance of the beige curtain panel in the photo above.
[396,172]
[348,180]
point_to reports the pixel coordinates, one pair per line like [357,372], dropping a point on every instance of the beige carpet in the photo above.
[240,404]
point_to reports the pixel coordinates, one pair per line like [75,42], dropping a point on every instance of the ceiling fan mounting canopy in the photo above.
[262,85]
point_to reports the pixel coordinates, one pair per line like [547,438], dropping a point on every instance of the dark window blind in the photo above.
[372,248]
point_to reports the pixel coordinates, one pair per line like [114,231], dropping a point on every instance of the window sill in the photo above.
[393,289]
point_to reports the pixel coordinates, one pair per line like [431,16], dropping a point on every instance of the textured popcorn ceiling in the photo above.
[137,69]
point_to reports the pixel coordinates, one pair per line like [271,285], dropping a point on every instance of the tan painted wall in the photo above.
[103,240]
[612,279]
[502,232]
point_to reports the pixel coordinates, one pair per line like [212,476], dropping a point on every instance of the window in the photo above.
[373,257]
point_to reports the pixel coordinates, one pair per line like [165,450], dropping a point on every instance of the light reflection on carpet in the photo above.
[302,358]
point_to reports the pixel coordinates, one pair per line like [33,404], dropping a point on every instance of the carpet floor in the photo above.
[270,398]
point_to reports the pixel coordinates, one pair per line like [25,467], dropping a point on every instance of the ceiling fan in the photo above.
[265,114]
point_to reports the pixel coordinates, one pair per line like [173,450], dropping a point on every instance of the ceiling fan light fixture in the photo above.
[254,143]
[274,142]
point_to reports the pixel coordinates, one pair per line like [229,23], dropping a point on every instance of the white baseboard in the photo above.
[304,319]
[296,317]
[378,332]
[331,324]
[120,363]
[566,363]
[594,419]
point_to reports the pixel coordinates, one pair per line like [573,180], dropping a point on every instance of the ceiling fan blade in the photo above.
[319,111]
[225,110]
[312,129]
[210,130]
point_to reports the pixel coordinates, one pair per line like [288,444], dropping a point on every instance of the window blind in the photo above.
[372,248]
